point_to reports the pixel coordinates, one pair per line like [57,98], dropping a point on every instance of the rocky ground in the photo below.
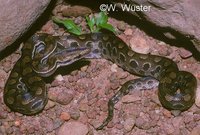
[78,94]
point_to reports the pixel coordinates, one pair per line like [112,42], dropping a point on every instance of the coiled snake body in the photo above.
[42,54]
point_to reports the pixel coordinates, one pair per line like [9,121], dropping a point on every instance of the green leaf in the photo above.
[69,25]
[95,24]
[91,23]
[108,27]
[102,18]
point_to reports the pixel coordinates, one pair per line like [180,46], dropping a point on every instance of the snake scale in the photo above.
[42,54]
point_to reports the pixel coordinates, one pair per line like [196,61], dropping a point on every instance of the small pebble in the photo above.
[83,107]
[129,124]
[168,128]
[17,123]
[114,68]
[65,97]
[139,44]
[128,32]
[142,123]
[197,100]
[74,114]
[57,123]
[49,105]
[121,25]
[65,116]
[7,66]
[167,113]
[59,78]
[184,53]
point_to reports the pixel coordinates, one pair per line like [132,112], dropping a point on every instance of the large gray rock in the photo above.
[177,16]
[16,16]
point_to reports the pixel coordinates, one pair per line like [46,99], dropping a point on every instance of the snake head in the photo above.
[177,90]
[48,54]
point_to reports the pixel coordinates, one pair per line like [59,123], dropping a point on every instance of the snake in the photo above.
[42,54]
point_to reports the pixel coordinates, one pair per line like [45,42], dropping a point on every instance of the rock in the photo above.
[2,78]
[128,124]
[175,112]
[65,97]
[16,17]
[173,18]
[142,123]
[184,53]
[74,113]
[195,131]
[121,25]
[59,78]
[75,11]
[91,114]
[167,113]
[128,32]
[61,95]
[49,27]
[164,50]
[188,118]
[3,114]
[49,105]
[65,116]
[17,123]
[47,123]
[83,107]
[114,68]
[53,93]
[177,122]
[7,65]
[139,44]
[168,129]
[131,98]
[73,128]
[57,123]
[197,101]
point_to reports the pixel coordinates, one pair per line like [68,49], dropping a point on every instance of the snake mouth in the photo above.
[178,105]
[37,106]
[34,107]
[60,58]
